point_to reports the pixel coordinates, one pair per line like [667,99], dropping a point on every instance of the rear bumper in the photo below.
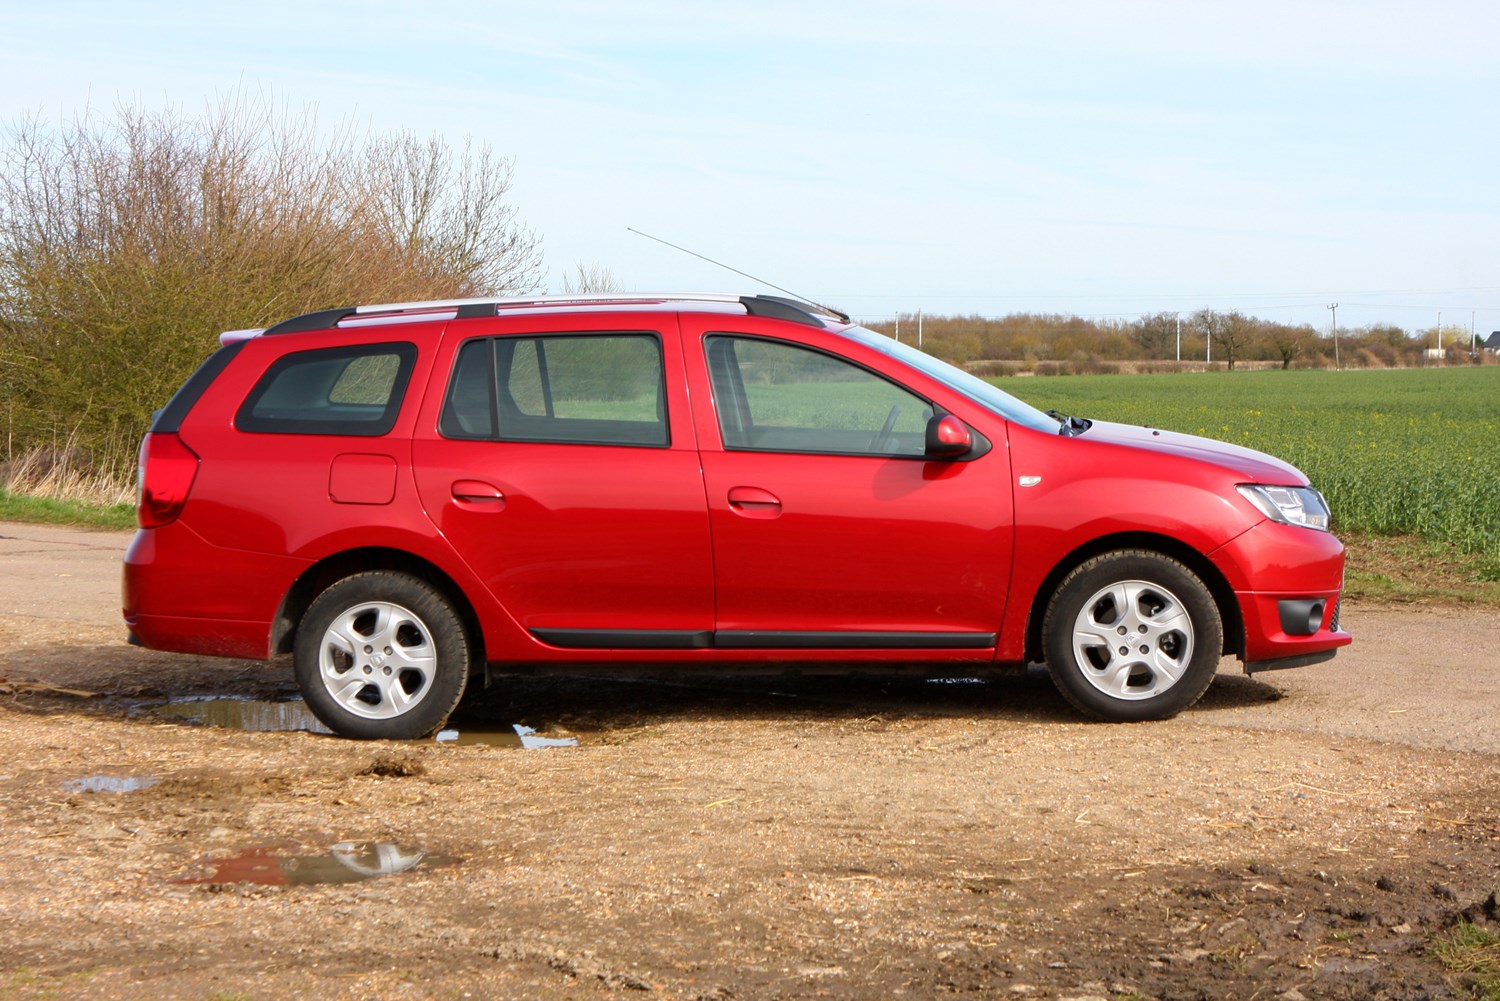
[209,637]
[182,594]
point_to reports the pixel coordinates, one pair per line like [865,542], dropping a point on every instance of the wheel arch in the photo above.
[337,566]
[1202,566]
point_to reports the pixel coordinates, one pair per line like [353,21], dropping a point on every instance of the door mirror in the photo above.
[948,437]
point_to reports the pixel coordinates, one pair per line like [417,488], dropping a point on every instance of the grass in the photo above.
[55,511]
[1408,569]
[1408,452]
[1473,953]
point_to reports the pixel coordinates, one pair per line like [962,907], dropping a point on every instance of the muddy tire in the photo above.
[1132,635]
[382,656]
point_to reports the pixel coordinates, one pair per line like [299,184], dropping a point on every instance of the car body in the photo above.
[401,495]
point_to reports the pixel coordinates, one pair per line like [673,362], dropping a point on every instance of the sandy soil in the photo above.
[1301,834]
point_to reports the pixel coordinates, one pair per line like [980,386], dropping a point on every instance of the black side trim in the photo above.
[168,419]
[625,639]
[1282,663]
[475,310]
[323,319]
[811,307]
[780,309]
[748,639]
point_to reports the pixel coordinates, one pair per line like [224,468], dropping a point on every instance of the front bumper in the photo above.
[1279,574]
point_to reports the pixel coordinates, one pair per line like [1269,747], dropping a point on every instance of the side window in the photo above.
[337,391]
[777,397]
[603,389]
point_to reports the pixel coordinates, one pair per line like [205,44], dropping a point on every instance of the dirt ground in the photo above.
[1305,833]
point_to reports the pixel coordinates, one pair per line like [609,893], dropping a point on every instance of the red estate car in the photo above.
[399,496]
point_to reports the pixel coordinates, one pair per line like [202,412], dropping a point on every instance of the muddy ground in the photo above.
[1306,833]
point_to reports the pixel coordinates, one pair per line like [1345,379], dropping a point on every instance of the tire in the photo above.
[1171,621]
[382,656]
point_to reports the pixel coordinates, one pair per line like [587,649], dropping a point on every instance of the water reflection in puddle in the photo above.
[111,783]
[281,716]
[345,862]
[256,715]
[517,736]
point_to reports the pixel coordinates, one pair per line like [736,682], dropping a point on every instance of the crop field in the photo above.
[1396,452]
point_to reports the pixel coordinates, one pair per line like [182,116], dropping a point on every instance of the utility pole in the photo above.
[1337,364]
[898,326]
[919,330]
[1440,331]
[1473,337]
[1178,317]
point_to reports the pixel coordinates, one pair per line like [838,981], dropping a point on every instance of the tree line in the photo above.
[1052,342]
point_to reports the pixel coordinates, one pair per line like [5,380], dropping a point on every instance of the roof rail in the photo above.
[756,305]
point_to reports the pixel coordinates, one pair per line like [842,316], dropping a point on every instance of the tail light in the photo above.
[167,470]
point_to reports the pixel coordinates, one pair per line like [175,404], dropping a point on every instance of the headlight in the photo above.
[1302,506]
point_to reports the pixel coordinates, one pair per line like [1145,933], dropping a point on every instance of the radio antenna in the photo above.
[737,271]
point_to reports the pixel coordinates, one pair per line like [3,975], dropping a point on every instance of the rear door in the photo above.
[562,467]
[830,526]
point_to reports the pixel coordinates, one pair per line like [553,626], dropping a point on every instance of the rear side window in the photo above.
[336,391]
[597,389]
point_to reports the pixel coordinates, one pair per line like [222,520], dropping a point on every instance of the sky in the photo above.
[1105,159]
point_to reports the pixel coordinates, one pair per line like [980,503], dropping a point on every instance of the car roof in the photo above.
[776,307]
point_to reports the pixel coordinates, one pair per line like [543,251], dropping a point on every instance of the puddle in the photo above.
[111,783]
[516,736]
[345,862]
[280,716]
[257,715]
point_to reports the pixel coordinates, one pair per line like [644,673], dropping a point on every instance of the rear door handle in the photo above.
[478,492]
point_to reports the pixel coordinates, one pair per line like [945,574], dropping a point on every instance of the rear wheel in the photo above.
[1132,635]
[382,656]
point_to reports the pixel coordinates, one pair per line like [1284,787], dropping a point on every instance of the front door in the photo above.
[830,526]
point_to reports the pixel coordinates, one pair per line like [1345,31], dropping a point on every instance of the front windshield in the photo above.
[986,395]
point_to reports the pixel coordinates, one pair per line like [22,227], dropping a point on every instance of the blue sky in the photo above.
[1099,158]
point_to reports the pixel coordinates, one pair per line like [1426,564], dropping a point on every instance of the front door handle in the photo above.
[753,502]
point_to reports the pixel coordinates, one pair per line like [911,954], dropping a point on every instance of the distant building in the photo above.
[1492,343]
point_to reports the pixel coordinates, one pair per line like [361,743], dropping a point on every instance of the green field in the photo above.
[1396,452]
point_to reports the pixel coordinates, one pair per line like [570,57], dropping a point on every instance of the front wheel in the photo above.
[1132,635]
[382,656]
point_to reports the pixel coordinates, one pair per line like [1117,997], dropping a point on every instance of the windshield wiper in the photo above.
[1071,427]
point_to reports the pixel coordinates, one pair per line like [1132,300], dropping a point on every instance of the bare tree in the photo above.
[1289,342]
[450,217]
[1228,332]
[1156,334]
[127,242]
[589,279]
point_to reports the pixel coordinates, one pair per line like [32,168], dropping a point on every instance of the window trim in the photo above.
[245,418]
[499,436]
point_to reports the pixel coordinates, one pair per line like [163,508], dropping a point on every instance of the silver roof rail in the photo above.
[756,305]
[596,298]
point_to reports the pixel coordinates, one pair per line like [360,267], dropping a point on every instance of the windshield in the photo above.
[986,395]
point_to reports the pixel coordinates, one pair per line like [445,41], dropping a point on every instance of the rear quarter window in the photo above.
[335,391]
